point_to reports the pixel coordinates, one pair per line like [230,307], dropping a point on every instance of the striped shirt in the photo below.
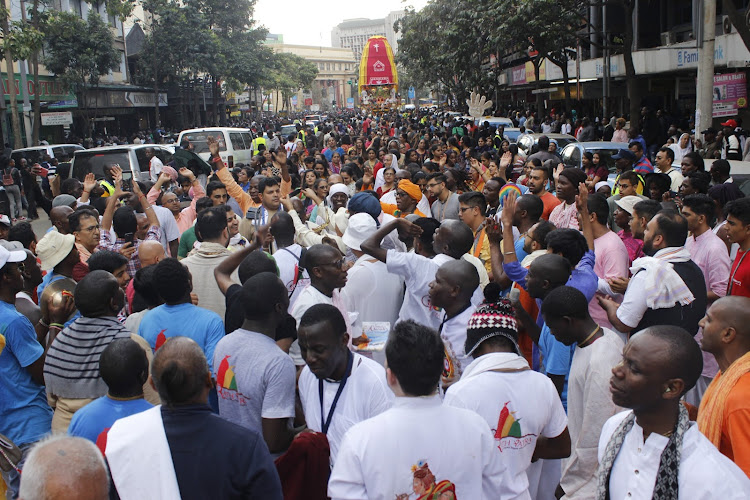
[71,369]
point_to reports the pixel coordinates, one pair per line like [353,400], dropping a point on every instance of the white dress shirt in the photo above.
[376,459]
[705,474]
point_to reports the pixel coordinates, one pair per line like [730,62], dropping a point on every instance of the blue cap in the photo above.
[624,154]
[364,203]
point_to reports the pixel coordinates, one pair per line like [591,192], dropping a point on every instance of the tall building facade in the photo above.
[354,33]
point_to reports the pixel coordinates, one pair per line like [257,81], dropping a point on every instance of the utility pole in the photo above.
[705,80]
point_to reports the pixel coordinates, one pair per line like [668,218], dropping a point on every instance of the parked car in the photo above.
[512,134]
[572,153]
[131,158]
[528,142]
[287,130]
[34,154]
[494,121]
[235,144]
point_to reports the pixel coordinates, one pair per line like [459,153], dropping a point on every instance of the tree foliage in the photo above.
[287,73]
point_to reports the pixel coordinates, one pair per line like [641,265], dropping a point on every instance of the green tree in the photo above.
[445,45]
[79,53]
[287,74]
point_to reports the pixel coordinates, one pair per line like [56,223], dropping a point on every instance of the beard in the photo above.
[648,248]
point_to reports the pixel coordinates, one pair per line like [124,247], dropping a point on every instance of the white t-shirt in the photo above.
[287,259]
[372,292]
[453,333]
[418,272]
[365,395]
[705,474]
[307,298]
[255,379]
[589,406]
[154,168]
[447,446]
[519,407]
[167,227]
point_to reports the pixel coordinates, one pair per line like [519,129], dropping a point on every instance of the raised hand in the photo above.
[213,145]
[509,208]
[505,159]
[478,104]
[263,236]
[493,230]
[582,198]
[186,172]
[89,182]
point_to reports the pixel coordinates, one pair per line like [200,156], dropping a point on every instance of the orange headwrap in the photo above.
[410,188]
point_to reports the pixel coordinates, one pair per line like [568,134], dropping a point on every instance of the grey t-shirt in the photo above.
[255,379]
[447,210]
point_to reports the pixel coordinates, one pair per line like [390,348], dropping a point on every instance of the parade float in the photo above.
[378,78]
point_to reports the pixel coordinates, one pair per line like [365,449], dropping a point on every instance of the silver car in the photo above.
[572,153]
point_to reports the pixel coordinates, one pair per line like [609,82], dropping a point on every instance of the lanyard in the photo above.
[324,424]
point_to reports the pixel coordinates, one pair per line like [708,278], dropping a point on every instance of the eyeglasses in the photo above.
[337,264]
[464,209]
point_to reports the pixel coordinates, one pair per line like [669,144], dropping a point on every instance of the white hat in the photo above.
[628,202]
[11,256]
[5,220]
[361,227]
[53,248]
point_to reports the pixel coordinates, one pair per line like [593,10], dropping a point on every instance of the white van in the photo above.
[235,144]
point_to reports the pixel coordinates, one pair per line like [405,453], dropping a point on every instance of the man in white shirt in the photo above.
[654,451]
[663,163]
[371,291]
[154,164]
[451,241]
[419,446]
[451,290]
[598,349]
[288,256]
[255,379]
[327,275]
[346,386]
[521,406]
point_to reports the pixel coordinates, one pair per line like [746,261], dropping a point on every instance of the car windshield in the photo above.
[32,156]
[91,161]
[562,142]
[605,157]
[198,139]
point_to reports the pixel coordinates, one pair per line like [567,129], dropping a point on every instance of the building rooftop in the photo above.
[359,23]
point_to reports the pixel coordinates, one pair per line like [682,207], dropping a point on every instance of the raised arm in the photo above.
[495,237]
[89,183]
[153,220]
[244,200]
[373,244]
[113,200]
[153,193]
[223,272]
[583,208]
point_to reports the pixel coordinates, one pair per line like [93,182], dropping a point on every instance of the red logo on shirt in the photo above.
[160,339]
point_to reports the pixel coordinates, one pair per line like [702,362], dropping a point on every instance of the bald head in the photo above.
[726,329]
[59,218]
[734,311]
[64,467]
[179,373]
[462,274]
[335,179]
[151,252]
[553,267]
[453,238]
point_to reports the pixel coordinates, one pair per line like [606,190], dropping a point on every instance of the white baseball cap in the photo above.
[5,220]
[11,256]
[361,226]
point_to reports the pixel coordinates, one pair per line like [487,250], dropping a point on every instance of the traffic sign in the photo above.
[411,93]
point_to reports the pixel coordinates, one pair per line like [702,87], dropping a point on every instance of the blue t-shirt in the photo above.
[520,252]
[25,416]
[186,320]
[328,153]
[100,414]
[557,358]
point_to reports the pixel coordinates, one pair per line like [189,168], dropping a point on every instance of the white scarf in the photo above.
[495,361]
[664,287]
[139,458]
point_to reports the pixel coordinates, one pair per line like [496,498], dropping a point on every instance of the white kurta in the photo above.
[376,457]
[705,474]
[589,406]
[365,395]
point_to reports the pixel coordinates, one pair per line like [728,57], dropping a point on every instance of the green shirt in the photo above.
[187,240]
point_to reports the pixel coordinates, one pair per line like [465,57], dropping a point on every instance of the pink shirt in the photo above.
[564,216]
[612,261]
[710,254]
[188,214]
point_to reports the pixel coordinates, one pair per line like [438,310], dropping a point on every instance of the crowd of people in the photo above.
[404,306]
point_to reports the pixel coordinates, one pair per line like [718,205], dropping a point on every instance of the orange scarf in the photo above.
[711,411]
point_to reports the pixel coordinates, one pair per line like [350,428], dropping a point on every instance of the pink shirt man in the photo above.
[612,261]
